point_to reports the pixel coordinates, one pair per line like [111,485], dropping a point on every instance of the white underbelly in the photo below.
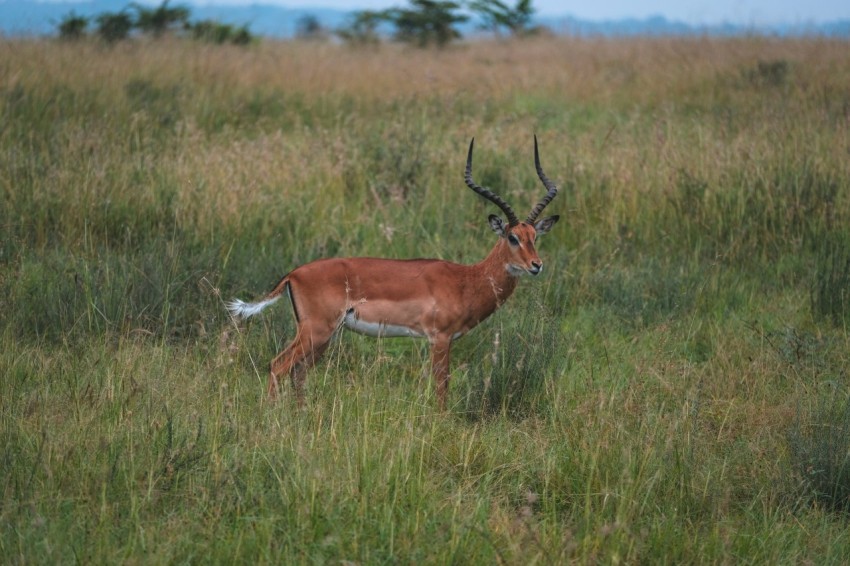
[378,329]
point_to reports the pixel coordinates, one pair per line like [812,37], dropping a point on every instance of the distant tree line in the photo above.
[433,22]
[154,22]
[422,23]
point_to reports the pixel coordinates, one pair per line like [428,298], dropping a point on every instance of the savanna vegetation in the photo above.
[150,22]
[672,389]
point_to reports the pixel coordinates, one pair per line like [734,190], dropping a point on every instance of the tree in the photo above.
[308,26]
[73,27]
[157,21]
[242,36]
[497,15]
[426,22]
[114,26]
[213,31]
[362,29]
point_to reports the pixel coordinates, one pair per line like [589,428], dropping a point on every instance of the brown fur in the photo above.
[437,299]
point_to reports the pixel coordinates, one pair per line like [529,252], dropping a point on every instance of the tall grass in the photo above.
[655,397]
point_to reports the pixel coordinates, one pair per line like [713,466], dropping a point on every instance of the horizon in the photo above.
[279,18]
[739,12]
[754,13]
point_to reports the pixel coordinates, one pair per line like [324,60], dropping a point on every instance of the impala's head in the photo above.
[519,237]
[519,241]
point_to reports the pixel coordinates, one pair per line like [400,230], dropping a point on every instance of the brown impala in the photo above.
[420,298]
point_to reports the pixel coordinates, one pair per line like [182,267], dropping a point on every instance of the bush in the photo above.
[512,371]
[310,28]
[820,453]
[112,27]
[157,21]
[647,292]
[219,33]
[830,289]
[769,73]
[73,27]
[362,29]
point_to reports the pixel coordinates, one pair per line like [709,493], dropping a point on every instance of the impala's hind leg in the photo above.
[305,349]
[298,373]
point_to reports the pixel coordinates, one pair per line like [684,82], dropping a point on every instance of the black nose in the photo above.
[536,267]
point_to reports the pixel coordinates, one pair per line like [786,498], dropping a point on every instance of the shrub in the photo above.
[820,453]
[157,21]
[769,73]
[73,27]
[511,375]
[830,288]
[114,26]
[362,28]
[648,292]
[219,33]
[310,28]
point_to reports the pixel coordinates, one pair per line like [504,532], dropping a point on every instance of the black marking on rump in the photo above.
[292,300]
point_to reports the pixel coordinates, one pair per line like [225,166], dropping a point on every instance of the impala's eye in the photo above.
[513,240]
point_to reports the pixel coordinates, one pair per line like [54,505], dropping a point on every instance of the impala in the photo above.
[419,298]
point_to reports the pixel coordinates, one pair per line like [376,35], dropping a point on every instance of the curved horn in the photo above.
[487,193]
[550,186]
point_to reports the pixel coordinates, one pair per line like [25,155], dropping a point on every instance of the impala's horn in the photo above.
[487,193]
[550,186]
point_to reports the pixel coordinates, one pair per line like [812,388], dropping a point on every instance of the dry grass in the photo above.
[702,181]
[584,70]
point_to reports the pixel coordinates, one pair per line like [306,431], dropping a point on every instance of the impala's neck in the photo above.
[496,279]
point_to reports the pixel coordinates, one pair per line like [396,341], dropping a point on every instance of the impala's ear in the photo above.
[497,225]
[546,224]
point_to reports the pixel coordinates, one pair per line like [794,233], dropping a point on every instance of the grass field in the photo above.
[673,389]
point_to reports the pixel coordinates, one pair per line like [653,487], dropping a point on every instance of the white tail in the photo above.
[241,309]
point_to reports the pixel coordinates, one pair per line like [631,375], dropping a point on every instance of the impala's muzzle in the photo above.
[536,268]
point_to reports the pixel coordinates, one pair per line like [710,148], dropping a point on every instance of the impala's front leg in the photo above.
[441,347]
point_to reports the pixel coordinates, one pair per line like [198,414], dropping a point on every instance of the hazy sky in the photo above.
[689,11]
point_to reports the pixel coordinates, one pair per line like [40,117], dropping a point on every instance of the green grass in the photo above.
[672,389]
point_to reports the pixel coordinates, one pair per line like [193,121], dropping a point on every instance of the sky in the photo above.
[745,12]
